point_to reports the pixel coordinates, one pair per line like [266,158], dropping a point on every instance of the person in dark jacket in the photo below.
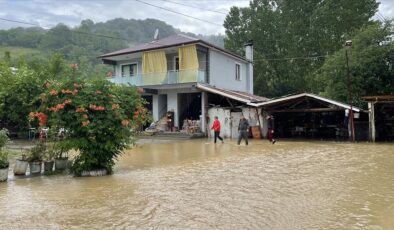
[271,127]
[243,129]
[216,129]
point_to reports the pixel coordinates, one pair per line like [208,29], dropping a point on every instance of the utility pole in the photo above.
[348,44]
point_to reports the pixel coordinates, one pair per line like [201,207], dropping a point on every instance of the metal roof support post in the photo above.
[351,116]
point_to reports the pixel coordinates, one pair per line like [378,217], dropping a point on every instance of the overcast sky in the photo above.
[48,13]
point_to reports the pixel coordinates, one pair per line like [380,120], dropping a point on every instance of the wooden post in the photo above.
[258,119]
[372,129]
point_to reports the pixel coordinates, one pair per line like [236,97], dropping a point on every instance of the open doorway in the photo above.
[189,107]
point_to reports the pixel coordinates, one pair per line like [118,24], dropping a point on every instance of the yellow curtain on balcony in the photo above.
[188,64]
[154,67]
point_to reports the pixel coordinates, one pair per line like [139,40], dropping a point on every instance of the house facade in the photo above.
[175,73]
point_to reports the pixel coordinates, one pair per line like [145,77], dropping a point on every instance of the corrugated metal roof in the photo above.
[286,98]
[232,94]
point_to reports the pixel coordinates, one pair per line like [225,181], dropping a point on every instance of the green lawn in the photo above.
[17,52]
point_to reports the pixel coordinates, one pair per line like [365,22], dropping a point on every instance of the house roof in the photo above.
[232,94]
[291,97]
[173,40]
[385,98]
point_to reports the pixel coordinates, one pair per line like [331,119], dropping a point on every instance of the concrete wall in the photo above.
[229,120]
[172,105]
[118,68]
[222,72]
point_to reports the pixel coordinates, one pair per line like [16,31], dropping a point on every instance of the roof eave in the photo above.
[148,49]
[309,95]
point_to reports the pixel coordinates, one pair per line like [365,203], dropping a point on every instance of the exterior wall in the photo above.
[158,103]
[229,120]
[222,72]
[172,105]
[155,107]
[118,68]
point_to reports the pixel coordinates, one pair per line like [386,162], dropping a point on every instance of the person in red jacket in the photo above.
[216,129]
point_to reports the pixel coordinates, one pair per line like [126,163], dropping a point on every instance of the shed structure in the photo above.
[311,116]
[381,117]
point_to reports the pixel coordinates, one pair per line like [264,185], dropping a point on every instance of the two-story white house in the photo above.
[178,72]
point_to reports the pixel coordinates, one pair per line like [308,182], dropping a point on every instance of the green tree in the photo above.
[18,94]
[371,65]
[284,31]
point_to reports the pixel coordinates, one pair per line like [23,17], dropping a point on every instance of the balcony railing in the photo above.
[170,77]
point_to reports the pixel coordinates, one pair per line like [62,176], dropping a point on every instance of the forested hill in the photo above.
[84,42]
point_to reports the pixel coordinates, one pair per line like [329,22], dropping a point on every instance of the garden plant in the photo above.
[98,116]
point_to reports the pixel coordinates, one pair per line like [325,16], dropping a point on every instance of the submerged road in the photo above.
[199,185]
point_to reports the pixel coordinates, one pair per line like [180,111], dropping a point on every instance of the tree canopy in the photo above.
[294,39]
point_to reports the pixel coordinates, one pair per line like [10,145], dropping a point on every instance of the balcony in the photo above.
[170,77]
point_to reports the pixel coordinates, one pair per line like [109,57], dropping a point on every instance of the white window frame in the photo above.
[175,57]
[240,71]
[131,63]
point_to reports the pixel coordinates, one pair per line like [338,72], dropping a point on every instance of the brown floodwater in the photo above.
[198,185]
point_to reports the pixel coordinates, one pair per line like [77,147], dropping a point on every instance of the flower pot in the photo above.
[61,163]
[20,167]
[48,166]
[35,167]
[3,174]
[97,172]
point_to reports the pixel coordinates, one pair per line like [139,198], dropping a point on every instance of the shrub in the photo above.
[37,152]
[3,154]
[99,118]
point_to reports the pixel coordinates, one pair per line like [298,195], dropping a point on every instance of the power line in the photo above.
[176,12]
[181,4]
[381,16]
[291,58]
[20,22]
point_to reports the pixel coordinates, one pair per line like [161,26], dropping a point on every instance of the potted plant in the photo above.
[35,157]
[61,157]
[3,155]
[20,166]
[49,157]
[3,166]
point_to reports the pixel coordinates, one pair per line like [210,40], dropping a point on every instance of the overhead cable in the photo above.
[181,4]
[176,12]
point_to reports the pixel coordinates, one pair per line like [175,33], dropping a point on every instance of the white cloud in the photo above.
[48,13]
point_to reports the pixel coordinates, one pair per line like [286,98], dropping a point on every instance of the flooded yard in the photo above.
[198,185]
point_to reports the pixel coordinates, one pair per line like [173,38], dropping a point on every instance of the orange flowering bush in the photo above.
[42,118]
[100,118]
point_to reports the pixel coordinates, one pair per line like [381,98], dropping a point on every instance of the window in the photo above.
[176,63]
[129,70]
[237,72]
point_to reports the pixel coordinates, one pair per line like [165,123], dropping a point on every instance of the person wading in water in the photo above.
[243,129]
[216,129]
[271,127]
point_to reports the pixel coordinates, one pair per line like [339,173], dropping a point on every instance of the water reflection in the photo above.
[196,184]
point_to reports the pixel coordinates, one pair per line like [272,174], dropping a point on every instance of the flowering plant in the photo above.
[99,117]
